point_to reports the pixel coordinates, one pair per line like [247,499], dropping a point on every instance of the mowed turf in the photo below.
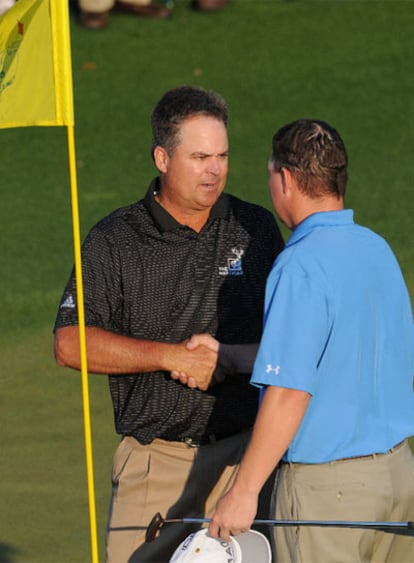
[347,62]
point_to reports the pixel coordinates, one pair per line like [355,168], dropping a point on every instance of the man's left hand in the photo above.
[234,514]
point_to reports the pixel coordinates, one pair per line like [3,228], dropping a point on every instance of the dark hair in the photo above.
[179,104]
[315,153]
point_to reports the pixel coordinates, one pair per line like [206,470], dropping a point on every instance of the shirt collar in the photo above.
[166,222]
[320,220]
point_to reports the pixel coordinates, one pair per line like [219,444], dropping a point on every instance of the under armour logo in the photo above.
[269,369]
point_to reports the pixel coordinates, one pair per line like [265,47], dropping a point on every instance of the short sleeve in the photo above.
[102,287]
[296,330]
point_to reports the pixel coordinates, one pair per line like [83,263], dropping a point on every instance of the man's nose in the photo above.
[214,165]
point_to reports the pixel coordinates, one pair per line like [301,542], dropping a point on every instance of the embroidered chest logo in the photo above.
[234,265]
[270,368]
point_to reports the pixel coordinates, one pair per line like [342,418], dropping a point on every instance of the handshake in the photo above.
[205,362]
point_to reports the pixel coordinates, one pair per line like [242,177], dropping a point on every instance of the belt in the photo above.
[209,439]
[370,456]
[203,441]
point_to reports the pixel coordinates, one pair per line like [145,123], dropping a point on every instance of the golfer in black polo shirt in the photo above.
[185,259]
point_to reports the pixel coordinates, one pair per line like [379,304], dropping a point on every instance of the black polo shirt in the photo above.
[147,276]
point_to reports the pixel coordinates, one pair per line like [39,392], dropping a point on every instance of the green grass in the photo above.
[347,62]
[43,489]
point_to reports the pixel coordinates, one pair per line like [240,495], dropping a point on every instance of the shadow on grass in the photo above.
[8,553]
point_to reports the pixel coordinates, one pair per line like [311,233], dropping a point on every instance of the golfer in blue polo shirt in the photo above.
[336,368]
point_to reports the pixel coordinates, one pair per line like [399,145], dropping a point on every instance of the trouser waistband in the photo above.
[356,458]
[371,456]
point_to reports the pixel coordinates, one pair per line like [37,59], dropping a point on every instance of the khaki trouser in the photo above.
[173,479]
[377,488]
[99,6]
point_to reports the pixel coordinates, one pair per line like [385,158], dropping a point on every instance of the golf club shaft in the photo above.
[404,528]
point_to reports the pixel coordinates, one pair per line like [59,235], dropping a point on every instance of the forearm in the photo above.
[108,352]
[237,358]
[277,422]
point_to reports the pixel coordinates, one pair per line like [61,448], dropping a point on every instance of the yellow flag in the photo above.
[35,64]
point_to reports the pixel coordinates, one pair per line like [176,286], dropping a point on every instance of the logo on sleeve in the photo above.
[68,303]
[270,369]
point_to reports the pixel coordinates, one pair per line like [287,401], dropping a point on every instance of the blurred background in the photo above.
[347,62]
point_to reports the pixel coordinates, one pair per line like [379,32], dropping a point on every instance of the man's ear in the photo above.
[284,179]
[161,159]
[288,179]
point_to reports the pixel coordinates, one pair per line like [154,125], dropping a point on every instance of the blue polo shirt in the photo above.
[338,324]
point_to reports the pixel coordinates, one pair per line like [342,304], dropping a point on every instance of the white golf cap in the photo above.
[249,547]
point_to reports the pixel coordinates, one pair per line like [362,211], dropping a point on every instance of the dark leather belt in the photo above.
[371,456]
[204,441]
[210,438]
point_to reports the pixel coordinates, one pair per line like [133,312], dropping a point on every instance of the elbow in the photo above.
[64,349]
[60,355]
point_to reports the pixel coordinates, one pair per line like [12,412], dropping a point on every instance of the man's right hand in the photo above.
[195,365]
[203,340]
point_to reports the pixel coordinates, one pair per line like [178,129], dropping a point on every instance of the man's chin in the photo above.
[209,194]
